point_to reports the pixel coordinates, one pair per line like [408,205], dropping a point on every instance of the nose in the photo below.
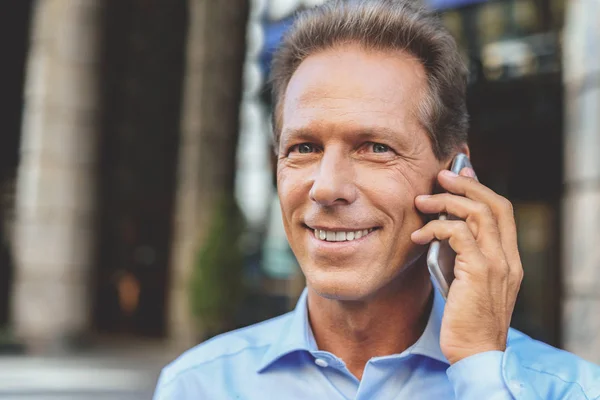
[334,180]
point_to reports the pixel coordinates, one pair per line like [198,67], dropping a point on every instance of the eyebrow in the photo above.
[368,133]
[293,135]
[374,133]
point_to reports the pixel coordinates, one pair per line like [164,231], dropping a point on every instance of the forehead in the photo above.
[349,85]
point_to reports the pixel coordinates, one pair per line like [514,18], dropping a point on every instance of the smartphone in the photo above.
[441,257]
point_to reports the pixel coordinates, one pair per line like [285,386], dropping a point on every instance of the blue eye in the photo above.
[305,148]
[380,148]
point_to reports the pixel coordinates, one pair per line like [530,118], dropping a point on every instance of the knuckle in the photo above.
[483,210]
[459,228]
[471,181]
[445,197]
[506,206]
[516,276]
[520,275]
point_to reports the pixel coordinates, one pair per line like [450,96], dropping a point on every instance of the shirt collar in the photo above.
[428,344]
[297,334]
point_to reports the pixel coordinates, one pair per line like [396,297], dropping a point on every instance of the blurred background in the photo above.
[138,210]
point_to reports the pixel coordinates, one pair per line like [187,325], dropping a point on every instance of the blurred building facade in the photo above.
[101,196]
[581,199]
[109,171]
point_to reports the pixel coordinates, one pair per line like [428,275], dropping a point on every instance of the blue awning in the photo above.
[450,4]
[274,30]
[273,33]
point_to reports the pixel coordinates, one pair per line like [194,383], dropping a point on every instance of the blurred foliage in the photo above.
[216,283]
[9,345]
[6,335]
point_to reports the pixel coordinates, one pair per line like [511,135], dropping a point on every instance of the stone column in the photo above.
[209,132]
[581,212]
[56,176]
[186,224]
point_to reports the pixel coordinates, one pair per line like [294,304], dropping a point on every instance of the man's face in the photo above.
[352,158]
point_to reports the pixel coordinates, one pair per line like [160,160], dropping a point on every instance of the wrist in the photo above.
[460,354]
[479,376]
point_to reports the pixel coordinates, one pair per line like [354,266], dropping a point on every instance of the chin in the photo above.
[357,283]
[342,284]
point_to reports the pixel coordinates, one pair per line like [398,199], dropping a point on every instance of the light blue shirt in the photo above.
[279,359]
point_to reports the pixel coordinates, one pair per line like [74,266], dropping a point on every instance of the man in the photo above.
[369,113]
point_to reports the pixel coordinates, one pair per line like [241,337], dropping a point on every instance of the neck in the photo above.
[387,323]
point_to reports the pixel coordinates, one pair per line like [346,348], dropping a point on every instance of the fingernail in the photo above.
[424,196]
[469,172]
[449,173]
[416,239]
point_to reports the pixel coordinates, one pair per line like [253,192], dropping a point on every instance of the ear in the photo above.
[463,148]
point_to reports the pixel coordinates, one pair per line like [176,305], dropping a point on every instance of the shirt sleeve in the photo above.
[160,392]
[175,388]
[479,377]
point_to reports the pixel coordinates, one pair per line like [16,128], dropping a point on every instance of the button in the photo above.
[516,386]
[321,363]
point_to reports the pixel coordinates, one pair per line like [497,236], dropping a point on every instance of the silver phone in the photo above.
[441,257]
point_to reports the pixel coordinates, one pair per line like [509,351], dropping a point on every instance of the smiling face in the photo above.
[352,159]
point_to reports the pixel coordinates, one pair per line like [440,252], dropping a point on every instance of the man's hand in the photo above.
[488,270]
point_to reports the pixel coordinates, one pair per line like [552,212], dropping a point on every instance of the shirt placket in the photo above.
[336,373]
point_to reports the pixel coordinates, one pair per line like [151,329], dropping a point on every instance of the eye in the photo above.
[303,148]
[379,148]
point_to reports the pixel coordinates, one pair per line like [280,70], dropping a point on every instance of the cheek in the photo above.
[291,188]
[393,191]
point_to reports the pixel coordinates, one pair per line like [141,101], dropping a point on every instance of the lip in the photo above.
[347,246]
[338,229]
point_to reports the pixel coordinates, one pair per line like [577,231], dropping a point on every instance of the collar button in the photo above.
[321,363]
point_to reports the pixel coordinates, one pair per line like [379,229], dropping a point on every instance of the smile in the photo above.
[340,236]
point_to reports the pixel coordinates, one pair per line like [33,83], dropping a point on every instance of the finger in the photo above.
[463,242]
[504,215]
[468,187]
[478,216]
[469,172]
[500,206]
[470,262]
[457,233]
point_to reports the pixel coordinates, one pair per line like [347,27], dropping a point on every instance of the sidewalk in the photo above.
[116,373]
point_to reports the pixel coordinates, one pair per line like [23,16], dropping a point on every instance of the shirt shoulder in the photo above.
[252,341]
[552,367]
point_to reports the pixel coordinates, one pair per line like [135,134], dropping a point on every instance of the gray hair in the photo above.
[383,25]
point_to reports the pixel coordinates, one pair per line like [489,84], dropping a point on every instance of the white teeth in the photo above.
[332,236]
